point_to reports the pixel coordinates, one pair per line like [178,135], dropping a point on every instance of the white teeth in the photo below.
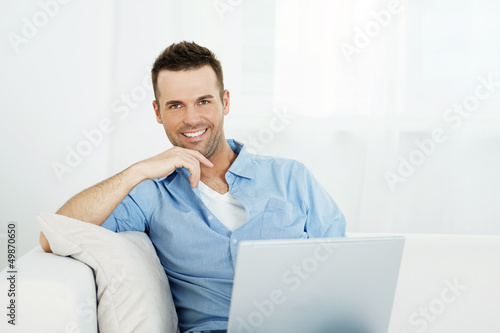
[192,135]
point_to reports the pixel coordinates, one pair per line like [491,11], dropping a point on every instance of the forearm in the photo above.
[96,203]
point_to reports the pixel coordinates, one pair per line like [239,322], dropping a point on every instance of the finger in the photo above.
[193,165]
[199,156]
[194,179]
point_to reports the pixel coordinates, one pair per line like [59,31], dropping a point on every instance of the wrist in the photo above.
[137,173]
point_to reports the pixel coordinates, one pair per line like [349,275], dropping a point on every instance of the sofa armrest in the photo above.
[54,294]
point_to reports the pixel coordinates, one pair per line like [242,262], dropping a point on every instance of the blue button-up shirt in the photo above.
[281,198]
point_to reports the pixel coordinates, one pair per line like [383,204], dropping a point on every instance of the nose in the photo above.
[191,116]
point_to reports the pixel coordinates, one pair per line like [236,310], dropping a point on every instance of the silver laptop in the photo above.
[328,285]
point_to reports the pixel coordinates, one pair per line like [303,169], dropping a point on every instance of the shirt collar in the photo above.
[243,165]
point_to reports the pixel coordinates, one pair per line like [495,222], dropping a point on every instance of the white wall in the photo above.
[71,66]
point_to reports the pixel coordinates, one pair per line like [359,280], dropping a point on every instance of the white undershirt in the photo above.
[225,207]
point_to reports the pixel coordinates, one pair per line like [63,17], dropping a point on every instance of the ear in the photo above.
[225,102]
[157,111]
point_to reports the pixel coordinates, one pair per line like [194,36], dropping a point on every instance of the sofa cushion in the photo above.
[133,292]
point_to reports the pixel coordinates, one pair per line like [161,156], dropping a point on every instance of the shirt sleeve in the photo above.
[324,217]
[135,210]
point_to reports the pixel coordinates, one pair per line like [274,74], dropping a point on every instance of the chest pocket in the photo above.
[281,220]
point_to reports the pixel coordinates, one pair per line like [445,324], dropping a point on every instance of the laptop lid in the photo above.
[315,285]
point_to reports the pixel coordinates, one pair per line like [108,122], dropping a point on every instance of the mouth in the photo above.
[193,135]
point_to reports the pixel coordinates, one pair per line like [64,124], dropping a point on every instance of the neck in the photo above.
[222,161]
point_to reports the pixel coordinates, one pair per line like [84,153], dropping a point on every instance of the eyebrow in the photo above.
[204,97]
[208,96]
[172,102]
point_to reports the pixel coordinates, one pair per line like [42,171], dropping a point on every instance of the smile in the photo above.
[195,134]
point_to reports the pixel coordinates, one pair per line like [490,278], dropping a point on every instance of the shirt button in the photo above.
[235,241]
[210,217]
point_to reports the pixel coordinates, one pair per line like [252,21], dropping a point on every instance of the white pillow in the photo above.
[133,292]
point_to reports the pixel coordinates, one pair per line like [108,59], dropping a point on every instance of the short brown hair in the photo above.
[184,56]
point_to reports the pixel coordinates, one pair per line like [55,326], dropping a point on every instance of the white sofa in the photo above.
[447,283]
[54,294]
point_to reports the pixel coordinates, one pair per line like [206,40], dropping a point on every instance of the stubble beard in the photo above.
[212,145]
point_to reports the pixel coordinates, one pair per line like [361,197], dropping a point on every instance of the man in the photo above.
[199,199]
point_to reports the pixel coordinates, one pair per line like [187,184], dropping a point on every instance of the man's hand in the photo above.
[165,163]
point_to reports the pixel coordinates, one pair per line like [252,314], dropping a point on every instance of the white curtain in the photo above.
[398,108]
[365,93]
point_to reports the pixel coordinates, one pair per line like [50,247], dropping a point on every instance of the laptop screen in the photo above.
[315,285]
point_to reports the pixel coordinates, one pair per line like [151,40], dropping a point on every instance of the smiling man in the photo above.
[199,199]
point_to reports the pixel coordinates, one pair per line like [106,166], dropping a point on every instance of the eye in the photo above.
[174,106]
[204,102]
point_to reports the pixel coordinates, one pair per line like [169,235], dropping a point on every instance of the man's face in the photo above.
[190,108]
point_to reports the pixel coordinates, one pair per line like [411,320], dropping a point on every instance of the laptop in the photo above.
[327,285]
